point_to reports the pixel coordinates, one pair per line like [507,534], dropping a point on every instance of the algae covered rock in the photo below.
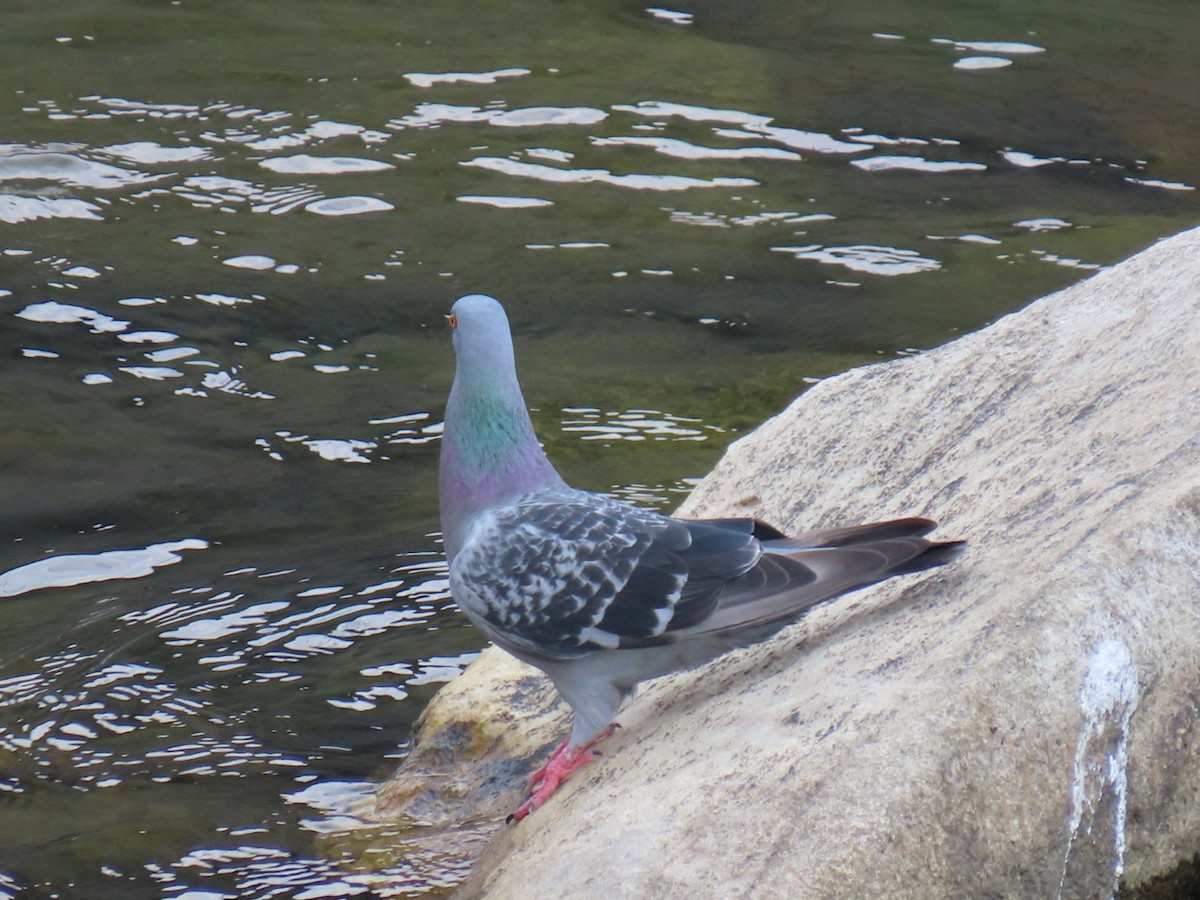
[474,745]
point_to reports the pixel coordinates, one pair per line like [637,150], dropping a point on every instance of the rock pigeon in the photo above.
[600,594]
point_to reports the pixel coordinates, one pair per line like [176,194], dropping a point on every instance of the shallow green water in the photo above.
[229,233]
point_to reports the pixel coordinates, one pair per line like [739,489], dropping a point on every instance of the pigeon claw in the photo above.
[564,762]
[561,766]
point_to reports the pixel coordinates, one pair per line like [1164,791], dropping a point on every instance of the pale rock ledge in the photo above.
[1020,723]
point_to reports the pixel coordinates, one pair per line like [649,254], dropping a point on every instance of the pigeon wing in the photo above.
[562,574]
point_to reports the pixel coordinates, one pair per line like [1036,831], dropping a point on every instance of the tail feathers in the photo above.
[936,554]
[854,534]
[796,574]
[829,537]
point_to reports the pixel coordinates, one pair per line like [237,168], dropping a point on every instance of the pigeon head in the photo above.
[490,454]
[482,341]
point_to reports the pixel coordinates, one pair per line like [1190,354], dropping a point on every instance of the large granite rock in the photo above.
[1021,723]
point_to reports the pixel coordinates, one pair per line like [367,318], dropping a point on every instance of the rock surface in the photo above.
[1020,723]
[476,742]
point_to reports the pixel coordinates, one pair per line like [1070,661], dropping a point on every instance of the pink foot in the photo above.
[540,774]
[564,762]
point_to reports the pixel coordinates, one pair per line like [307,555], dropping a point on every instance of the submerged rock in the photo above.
[1022,722]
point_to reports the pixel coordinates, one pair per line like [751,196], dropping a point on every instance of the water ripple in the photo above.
[866,258]
[76,569]
[914,164]
[635,425]
[429,79]
[684,150]
[29,164]
[538,172]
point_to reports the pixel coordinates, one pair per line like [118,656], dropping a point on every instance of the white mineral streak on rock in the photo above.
[1107,701]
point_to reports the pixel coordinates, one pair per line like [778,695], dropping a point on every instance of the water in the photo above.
[229,234]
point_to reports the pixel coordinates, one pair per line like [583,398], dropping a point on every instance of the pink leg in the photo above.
[564,762]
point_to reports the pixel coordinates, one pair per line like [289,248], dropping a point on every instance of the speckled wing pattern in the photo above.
[565,573]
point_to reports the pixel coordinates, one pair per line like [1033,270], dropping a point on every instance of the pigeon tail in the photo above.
[798,573]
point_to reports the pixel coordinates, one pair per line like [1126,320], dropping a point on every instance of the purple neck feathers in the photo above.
[490,454]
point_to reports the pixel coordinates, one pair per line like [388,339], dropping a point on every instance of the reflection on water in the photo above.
[865,258]
[635,425]
[225,257]
[68,571]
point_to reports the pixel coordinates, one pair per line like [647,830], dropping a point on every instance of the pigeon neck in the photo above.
[489,456]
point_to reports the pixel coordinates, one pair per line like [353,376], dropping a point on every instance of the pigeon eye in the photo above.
[453,320]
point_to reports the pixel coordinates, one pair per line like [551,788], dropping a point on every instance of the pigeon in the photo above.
[600,594]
